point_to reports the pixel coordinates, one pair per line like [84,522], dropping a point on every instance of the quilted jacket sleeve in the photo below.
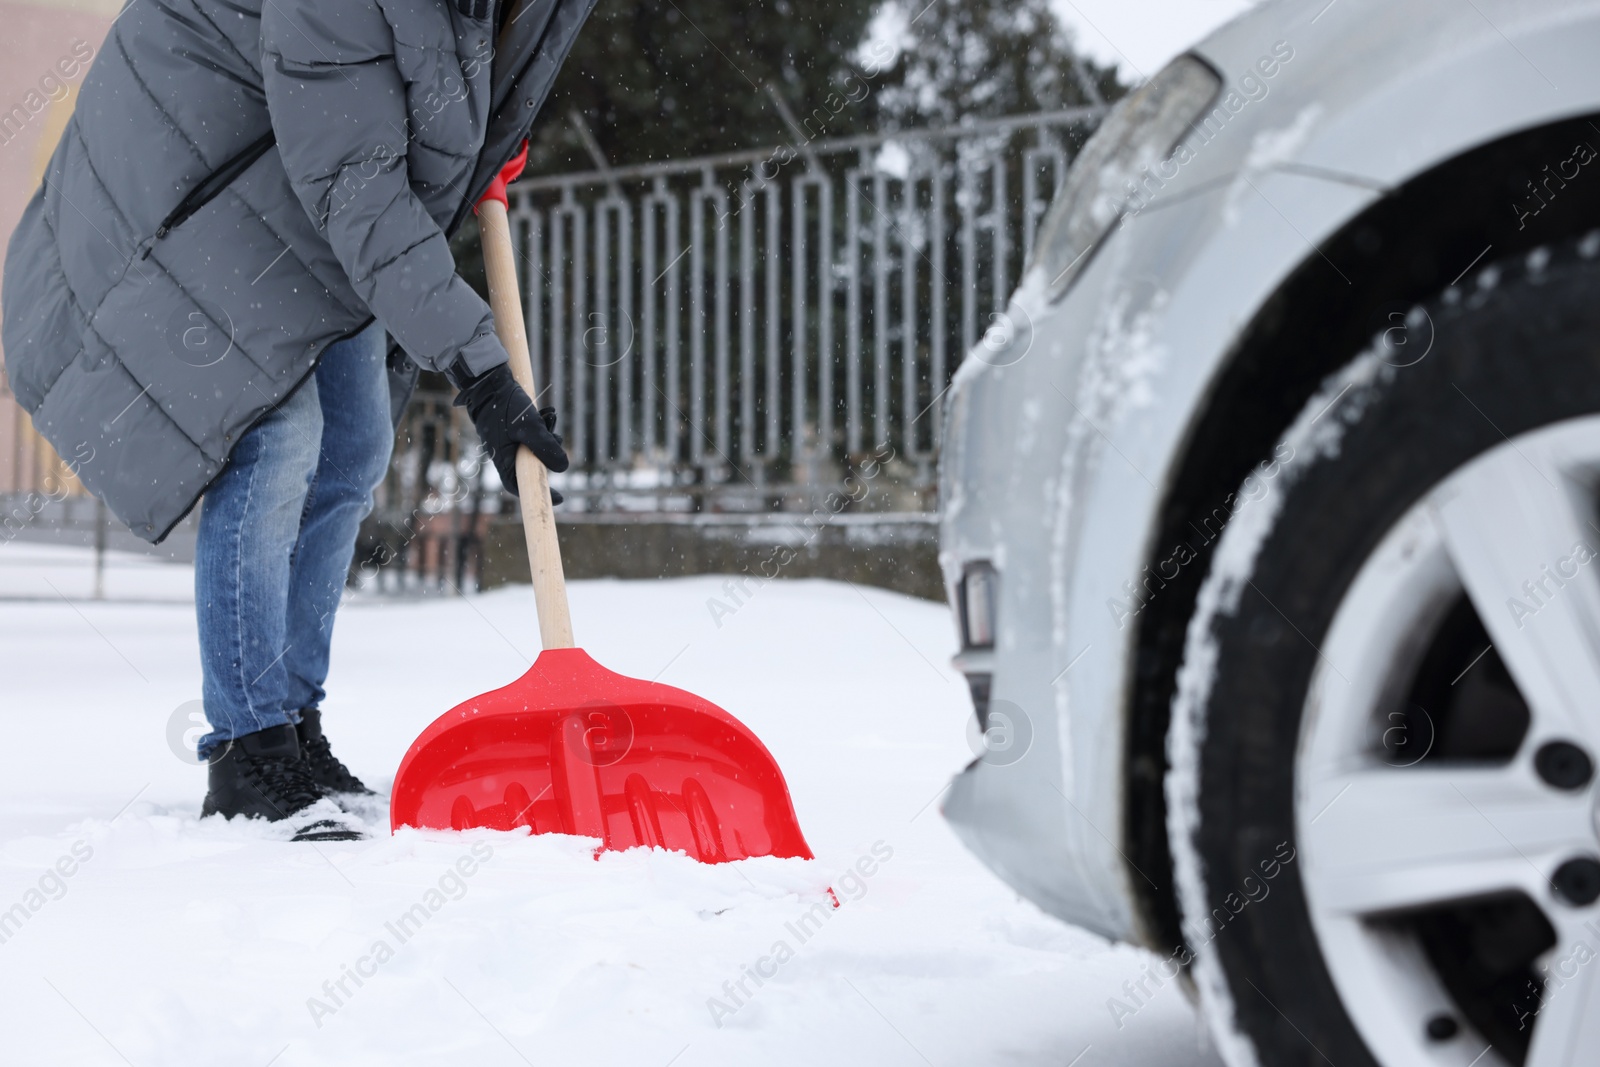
[338,108]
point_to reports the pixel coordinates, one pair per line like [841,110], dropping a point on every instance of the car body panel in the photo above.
[1066,425]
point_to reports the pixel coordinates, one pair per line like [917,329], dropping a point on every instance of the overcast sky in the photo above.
[1139,36]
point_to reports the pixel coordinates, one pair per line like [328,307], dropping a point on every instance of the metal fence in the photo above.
[732,332]
[729,333]
[735,333]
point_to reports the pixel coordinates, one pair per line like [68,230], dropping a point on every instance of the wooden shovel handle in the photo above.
[533,484]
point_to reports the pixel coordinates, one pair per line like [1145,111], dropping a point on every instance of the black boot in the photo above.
[262,775]
[330,774]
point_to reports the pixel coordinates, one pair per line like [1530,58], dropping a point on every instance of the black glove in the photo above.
[505,419]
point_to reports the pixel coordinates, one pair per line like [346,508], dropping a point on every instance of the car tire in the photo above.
[1290,958]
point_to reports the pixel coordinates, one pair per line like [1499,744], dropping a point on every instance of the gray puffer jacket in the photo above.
[242,184]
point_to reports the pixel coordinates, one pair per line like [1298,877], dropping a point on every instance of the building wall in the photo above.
[42,38]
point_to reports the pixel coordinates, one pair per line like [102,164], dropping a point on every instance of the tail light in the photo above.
[979,595]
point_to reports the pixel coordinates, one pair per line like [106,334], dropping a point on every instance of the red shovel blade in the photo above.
[573,748]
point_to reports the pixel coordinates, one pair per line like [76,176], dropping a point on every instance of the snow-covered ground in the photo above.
[137,934]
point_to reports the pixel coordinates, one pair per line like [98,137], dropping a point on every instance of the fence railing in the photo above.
[730,332]
[726,333]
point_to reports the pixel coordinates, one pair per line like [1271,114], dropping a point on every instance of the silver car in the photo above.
[1272,530]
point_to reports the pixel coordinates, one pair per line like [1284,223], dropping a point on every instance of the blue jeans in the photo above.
[277,533]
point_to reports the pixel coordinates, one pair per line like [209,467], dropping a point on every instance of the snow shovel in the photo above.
[571,747]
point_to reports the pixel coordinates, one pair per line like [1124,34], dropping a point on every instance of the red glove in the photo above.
[508,174]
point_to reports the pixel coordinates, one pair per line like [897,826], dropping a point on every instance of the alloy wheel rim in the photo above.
[1389,834]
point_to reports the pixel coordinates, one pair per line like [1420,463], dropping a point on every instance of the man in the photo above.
[250,193]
